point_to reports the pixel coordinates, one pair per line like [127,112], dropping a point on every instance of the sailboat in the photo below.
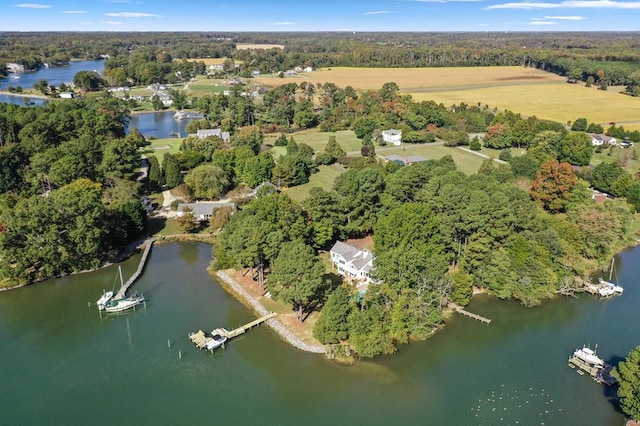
[104,299]
[123,303]
[609,287]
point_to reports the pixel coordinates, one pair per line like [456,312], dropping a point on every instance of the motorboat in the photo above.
[589,356]
[215,341]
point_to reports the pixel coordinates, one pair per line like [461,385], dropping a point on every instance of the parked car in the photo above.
[626,144]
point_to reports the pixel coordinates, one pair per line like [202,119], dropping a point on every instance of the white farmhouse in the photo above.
[598,139]
[392,136]
[352,262]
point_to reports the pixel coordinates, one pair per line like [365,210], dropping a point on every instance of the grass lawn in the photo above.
[466,162]
[159,147]
[317,140]
[323,179]
[203,84]
[620,154]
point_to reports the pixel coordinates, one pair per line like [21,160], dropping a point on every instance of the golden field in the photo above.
[527,91]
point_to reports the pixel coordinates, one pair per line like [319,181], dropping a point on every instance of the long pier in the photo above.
[474,316]
[123,290]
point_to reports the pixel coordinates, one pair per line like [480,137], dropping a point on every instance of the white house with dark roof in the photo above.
[598,139]
[352,262]
[204,210]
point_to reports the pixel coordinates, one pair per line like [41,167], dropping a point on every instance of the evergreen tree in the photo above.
[171,169]
[332,326]
[628,374]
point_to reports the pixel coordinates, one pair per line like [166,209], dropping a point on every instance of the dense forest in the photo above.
[612,56]
[69,196]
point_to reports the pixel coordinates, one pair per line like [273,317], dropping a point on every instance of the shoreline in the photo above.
[23,95]
[274,323]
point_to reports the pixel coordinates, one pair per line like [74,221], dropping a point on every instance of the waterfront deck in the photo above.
[474,316]
[123,290]
[200,339]
[599,374]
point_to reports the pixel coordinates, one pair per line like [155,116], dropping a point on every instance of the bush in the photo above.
[475,144]
[323,158]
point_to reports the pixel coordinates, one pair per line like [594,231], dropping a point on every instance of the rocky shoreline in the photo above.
[273,322]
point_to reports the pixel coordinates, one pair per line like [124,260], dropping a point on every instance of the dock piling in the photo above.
[179,354]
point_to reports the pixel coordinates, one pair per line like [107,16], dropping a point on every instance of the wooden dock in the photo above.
[599,374]
[123,290]
[199,338]
[474,316]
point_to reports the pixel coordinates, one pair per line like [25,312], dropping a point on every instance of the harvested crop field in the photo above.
[418,79]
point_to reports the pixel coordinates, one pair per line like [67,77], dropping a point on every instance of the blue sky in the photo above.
[321,15]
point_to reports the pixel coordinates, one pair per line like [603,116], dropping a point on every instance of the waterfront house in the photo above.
[67,95]
[351,262]
[392,136]
[203,210]
[204,133]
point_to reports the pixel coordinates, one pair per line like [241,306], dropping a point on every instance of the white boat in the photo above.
[215,341]
[610,286]
[119,305]
[180,115]
[104,299]
[589,356]
[124,303]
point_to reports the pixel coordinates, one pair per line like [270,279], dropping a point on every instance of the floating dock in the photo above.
[200,339]
[474,316]
[123,290]
[599,374]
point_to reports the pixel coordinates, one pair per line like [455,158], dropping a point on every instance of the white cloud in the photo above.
[74,11]
[377,12]
[570,4]
[113,23]
[133,15]
[541,23]
[283,23]
[33,6]
[565,18]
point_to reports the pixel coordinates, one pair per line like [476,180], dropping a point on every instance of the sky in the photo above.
[321,15]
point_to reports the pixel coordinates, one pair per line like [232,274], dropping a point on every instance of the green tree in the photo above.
[579,125]
[605,175]
[155,176]
[171,170]
[332,326]
[627,373]
[297,276]
[187,221]
[120,159]
[157,103]
[576,149]
[42,86]
[334,149]
[207,181]
[364,126]
[87,81]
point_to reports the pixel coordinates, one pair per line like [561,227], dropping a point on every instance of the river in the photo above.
[61,363]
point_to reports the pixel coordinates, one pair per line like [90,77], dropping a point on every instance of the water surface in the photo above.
[63,364]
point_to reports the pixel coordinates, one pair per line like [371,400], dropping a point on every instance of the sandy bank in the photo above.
[273,322]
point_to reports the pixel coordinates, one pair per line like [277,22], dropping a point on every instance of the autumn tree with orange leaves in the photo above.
[552,187]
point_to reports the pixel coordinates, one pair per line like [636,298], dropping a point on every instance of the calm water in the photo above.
[159,124]
[60,363]
[54,75]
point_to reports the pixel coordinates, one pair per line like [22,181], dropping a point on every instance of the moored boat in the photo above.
[104,299]
[608,286]
[589,356]
[119,305]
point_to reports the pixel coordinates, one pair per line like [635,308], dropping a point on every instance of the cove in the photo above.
[63,364]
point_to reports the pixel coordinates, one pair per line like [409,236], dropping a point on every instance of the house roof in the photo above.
[392,132]
[361,259]
[408,159]
[204,209]
[601,137]
[203,133]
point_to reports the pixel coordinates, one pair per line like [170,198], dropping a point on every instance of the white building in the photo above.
[392,136]
[598,139]
[203,133]
[204,210]
[352,262]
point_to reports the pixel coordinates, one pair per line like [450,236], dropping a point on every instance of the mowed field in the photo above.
[527,91]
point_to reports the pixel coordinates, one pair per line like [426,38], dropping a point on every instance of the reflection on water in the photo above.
[513,371]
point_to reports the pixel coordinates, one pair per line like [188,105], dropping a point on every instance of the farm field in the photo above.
[323,179]
[527,91]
